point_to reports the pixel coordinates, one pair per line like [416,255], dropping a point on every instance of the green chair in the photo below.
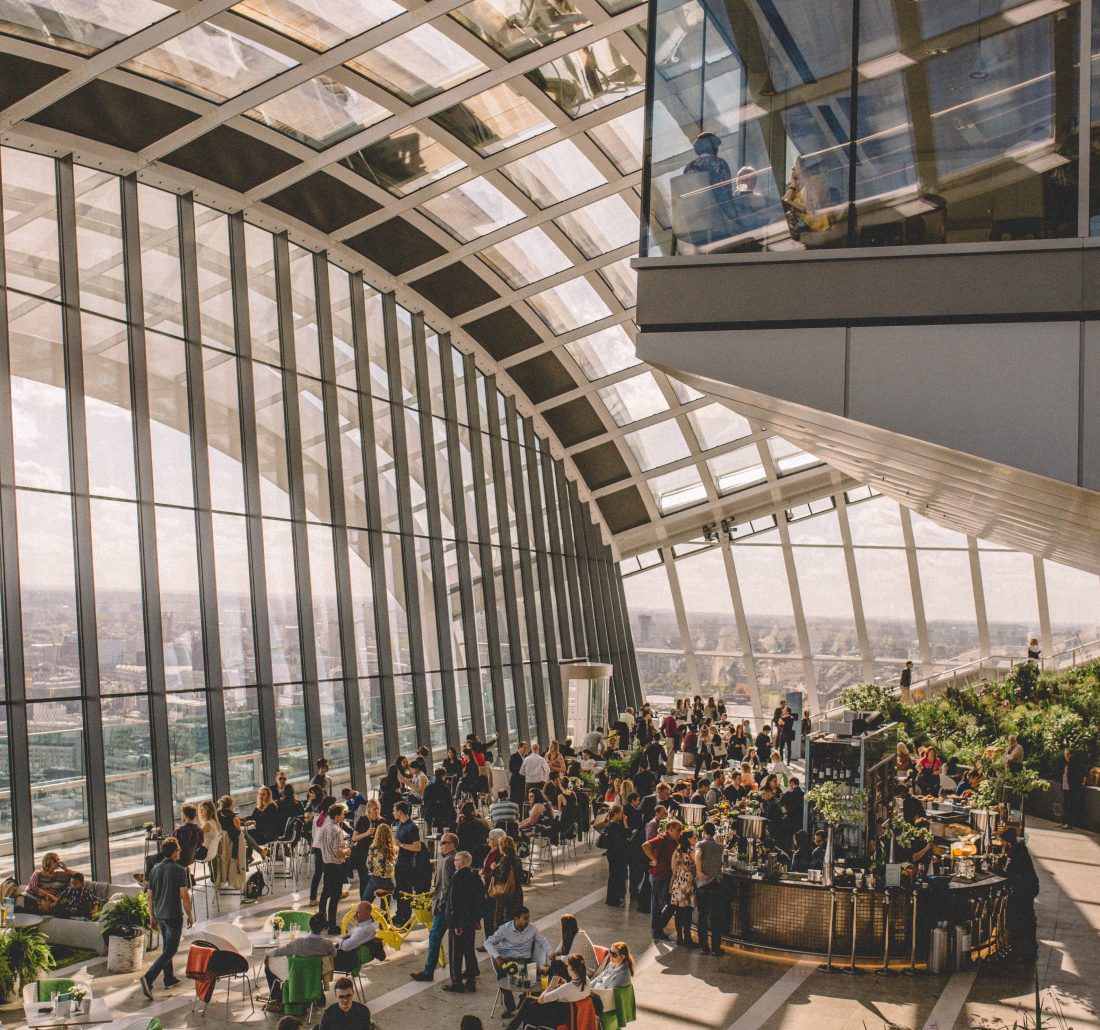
[155,1024]
[609,1020]
[294,919]
[59,986]
[625,1007]
[303,987]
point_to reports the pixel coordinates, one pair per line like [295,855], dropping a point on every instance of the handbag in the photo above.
[503,888]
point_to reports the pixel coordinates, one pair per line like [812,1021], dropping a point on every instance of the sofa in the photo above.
[81,933]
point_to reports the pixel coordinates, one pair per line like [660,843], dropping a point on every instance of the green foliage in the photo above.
[870,697]
[24,953]
[122,914]
[835,805]
[621,766]
[908,836]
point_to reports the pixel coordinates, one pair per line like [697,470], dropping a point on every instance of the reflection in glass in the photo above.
[180,604]
[494,120]
[99,242]
[319,24]
[588,79]
[282,601]
[555,173]
[81,26]
[234,599]
[404,162]
[223,430]
[319,113]
[31,258]
[516,27]
[472,210]
[418,64]
[210,62]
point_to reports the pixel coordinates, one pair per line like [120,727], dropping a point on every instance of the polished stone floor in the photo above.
[739,991]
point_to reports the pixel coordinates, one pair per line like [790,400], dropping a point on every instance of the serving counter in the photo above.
[794,915]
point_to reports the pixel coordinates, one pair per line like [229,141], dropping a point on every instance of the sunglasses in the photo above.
[344,997]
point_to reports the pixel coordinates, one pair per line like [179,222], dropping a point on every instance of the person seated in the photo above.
[513,944]
[619,971]
[263,822]
[312,943]
[574,940]
[46,884]
[536,812]
[801,852]
[969,784]
[364,932]
[560,992]
[504,812]
[346,1013]
[588,762]
[77,900]
[817,857]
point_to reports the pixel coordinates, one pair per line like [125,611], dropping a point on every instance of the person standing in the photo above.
[659,850]
[1034,651]
[347,1013]
[407,872]
[441,887]
[636,860]
[465,903]
[535,770]
[785,736]
[681,888]
[1018,869]
[517,785]
[332,843]
[615,842]
[169,902]
[708,890]
[321,778]
[906,682]
[806,729]
[1072,780]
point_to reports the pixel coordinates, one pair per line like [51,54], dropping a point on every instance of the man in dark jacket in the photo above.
[1071,778]
[438,806]
[793,802]
[465,904]
[517,785]
[638,864]
[1019,871]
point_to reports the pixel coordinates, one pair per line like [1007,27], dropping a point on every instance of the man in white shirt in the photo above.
[593,741]
[347,947]
[535,770]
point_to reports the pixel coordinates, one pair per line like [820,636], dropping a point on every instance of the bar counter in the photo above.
[793,915]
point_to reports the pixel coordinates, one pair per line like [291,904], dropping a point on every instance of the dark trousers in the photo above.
[171,930]
[1069,807]
[333,875]
[463,956]
[318,873]
[708,899]
[404,880]
[616,880]
[659,909]
[489,916]
[638,870]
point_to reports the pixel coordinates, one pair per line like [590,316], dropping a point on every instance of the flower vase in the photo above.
[275,934]
[827,864]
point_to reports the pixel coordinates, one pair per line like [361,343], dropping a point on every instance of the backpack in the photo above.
[255,886]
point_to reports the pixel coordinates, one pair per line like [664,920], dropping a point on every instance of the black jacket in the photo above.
[438,806]
[615,841]
[466,900]
[792,803]
[1019,871]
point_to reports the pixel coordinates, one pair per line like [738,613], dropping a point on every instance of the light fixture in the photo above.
[979,71]
[710,533]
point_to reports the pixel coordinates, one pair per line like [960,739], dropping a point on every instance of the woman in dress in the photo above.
[554,758]
[681,888]
[506,882]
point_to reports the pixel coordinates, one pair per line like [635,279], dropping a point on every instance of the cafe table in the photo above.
[46,1014]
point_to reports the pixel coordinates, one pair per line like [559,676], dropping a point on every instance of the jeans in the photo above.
[435,939]
[659,910]
[318,872]
[171,931]
[708,899]
[372,884]
[330,893]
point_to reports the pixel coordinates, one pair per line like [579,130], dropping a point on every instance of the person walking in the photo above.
[441,888]
[169,901]
[615,842]
[465,903]
[708,888]
[332,843]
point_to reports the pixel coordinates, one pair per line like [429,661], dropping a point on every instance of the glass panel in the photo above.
[406,717]
[766,598]
[319,113]
[657,445]
[362,601]
[210,62]
[715,425]
[631,400]
[30,224]
[494,120]
[887,599]
[170,427]
[161,276]
[290,728]
[436,722]
[601,227]
[826,600]
[569,306]
[234,584]
[788,457]
[81,26]
[816,529]
[189,747]
[271,441]
[1011,604]
[433,659]
[304,309]
[396,607]
[516,27]
[621,140]
[314,451]
[876,521]
[242,732]
[588,79]
[282,603]
[679,489]
[334,726]
[59,804]
[404,162]
[1073,601]
[319,24]
[418,64]
[120,625]
[387,467]
[555,173]
[604,353]
[181,613]
[948,594]
[370,702]
[215,286]
[127,759]
[263,310]
[707,603]
[526,258]
[326,616]
[99,242]
[39,418]
[927,533]
[471,210]
[47,586]
[351,448]
[623,281]
[223,430]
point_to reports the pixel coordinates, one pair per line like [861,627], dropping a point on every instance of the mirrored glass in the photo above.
[555,173]
[404,162]
[516,27]
[494,120]
[80,26]
[472,210]
[588,79]
[319,113]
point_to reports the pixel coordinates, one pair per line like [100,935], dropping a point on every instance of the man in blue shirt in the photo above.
[519,941]
[724,221]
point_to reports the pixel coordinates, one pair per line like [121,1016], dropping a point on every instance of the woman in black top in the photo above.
[264,822]
[389,791]
[452,766]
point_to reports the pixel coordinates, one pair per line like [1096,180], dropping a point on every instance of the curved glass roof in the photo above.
[481,158]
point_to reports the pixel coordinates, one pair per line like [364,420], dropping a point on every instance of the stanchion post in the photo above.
[912,970]
[828,966]
[886,970]
[852,969]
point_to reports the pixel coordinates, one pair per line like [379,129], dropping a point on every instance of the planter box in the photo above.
[124,955]
[1048,805]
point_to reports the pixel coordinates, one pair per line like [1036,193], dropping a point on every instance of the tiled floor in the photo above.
[740,990]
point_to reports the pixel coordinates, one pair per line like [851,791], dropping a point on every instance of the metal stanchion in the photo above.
[886,970]
[828,966]
[912,970]
[852,969]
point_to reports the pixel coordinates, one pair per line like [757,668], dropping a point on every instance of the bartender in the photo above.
[772,811]
[1019,871]
[817,856]
[912,811]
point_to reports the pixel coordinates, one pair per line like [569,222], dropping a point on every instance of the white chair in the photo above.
[30,992]
[229,937]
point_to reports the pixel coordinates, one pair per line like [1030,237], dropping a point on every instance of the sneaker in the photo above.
[421,977]
[174,983]
[146,988]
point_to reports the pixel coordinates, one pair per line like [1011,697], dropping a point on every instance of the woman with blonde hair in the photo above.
[554,758]
[381,863]
[265,823]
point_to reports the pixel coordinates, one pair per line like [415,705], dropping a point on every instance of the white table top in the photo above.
[98,1012]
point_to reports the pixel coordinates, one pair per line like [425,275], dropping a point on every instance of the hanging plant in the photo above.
[835,804]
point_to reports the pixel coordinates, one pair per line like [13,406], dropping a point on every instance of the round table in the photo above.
[23,920]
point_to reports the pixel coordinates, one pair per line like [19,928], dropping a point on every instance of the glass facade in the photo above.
[778,128]
[841,590]
[247,521]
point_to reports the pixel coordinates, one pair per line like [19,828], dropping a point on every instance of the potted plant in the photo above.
[835,806]
[79,995]
[24,954]
[123,922]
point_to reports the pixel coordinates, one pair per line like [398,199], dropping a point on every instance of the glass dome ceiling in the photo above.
[481,158]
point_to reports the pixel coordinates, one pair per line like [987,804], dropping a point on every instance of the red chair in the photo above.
[582,1016]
